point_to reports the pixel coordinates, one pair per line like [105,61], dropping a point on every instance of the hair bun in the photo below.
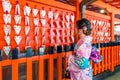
[87,32]
[85,25]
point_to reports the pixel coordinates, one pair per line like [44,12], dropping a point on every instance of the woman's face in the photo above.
[80,32]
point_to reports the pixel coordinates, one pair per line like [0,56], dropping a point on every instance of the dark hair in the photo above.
[84,23]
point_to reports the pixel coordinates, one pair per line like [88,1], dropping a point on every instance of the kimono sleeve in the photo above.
[95,55]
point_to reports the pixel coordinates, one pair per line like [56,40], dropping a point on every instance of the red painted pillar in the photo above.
[15,69]
[41,68]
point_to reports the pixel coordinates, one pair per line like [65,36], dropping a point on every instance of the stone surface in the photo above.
[116,76]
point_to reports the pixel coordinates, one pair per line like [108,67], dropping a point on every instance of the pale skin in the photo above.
[80,33]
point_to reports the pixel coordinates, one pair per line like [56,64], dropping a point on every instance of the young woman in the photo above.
[79,63]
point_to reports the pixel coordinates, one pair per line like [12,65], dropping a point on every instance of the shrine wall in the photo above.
[66,9]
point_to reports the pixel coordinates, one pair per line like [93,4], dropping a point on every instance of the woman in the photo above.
[79,63]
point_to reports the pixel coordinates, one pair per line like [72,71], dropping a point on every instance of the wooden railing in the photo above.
[110,54]
[111,59]
[50,57]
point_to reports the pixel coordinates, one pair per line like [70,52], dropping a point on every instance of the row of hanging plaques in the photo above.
[57,27]
[100,29]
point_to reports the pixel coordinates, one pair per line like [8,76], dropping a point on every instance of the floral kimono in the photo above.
[79,63]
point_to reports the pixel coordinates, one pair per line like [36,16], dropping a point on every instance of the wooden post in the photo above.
[112,26]
[59,67]
[109,62]
[99,64]
[119,54]
[103,59]
[77,18]
[112,58]
[112,39]
[29,68]
[50,68]
[116,55]
[41,68]
[15,69]
[106,58]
